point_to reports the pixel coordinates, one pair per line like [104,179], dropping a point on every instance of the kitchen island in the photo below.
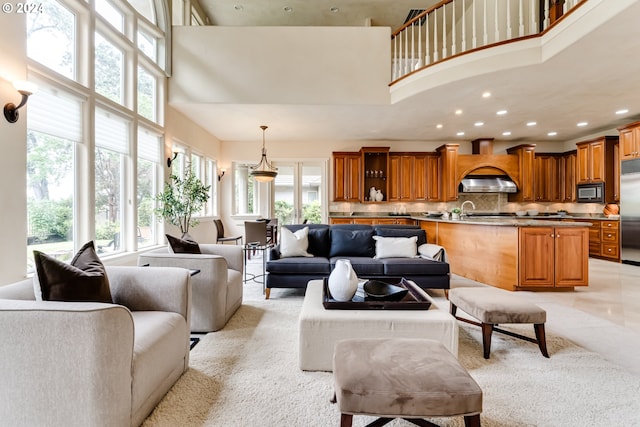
[514,254]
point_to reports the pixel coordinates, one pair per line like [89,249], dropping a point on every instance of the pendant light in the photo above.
[264,171]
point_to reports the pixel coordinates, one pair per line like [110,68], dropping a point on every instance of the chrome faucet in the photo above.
[462,214]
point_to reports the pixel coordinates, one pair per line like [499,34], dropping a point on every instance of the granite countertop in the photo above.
[486,217]
[507,221]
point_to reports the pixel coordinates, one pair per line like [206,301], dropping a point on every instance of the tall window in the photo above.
[149,158]
[127,59]
[51,143]
[112,147]
[244,190]
[109,69]
[51,38]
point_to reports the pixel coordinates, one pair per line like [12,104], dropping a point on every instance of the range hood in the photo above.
[487,184]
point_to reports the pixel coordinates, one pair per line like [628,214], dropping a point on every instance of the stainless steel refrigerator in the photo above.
[630,211]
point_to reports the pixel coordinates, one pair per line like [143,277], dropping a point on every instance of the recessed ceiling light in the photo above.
[460,133]
[552,133]
[506,133]
[623,111]
[478,124]
[439,125]
[288,9]
[486,94]
[501,112]
[334,9]
[238,7]
[458,112]
[531,123]
[582,124]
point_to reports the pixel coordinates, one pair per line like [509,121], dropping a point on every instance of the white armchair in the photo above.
[217,287]
[93,364]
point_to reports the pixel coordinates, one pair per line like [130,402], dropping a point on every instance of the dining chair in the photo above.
[221,238]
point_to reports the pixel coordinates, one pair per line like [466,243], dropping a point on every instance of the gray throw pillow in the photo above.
[183,246]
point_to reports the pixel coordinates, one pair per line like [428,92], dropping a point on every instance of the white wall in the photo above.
[13,173]
[281,65]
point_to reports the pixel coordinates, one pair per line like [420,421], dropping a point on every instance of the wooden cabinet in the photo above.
[526,166]
[375,165]
[610,240]
[604,239]
[553,257]
[595,160]
[547,178]
[402,177]
[630,141]
[340,220]
[616,173]
[346,177]
[434,167]
[449,158]
[568,178]
[595,163]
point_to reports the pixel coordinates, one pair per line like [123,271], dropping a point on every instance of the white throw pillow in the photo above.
[396,247]
[294,244]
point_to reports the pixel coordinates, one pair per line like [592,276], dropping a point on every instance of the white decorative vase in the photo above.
[343,282]
[379,196]
[372,194]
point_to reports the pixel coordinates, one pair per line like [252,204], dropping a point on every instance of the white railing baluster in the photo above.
[547,8]
[427,58]
[533,13]
[444,31]
[496,37]
[484,25]
[508,19]
[453,27]
[474,39]
[444,37]
[435,36]
[521,19]
[463,44]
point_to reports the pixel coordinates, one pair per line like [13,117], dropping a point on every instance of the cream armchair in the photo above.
[217,286]
[93,364]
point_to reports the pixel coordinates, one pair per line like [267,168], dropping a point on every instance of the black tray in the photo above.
[414,300]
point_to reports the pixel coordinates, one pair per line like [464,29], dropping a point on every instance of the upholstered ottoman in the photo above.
[321,328]
[402,378]
[493,306]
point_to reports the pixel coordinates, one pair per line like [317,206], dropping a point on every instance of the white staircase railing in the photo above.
[455,27]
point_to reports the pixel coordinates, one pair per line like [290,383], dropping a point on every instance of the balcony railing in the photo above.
[454,27]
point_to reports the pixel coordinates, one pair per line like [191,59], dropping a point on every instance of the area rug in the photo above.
[247,375]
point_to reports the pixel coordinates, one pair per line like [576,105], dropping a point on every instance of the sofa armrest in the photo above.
[273,253]
[65,363]
[151,289]
[231,253]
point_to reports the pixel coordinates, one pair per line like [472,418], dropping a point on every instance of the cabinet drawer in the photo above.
[594,235]
[594,248]
[609,225]
[609,250]
[609,236]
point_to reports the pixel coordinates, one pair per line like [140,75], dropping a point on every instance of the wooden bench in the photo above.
[492,307]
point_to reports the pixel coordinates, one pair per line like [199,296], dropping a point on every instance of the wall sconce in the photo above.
[221,173]
[10,109]
[171,159]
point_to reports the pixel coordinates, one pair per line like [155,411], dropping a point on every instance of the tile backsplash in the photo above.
[484,202]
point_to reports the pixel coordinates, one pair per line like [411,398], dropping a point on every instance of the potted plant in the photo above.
[455,213]
[181,198]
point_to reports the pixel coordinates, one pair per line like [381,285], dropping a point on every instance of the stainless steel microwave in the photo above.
[591,193]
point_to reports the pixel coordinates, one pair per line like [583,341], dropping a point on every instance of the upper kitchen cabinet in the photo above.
[630,141]
[595,160]
[375,164]
[449,159]
[568,176]
[346,176]
[548,177]
[403,177]
[526,166]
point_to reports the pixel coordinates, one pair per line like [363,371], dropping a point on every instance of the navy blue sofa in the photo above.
[328,243]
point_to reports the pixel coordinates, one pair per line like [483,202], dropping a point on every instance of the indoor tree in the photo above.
[181,198]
